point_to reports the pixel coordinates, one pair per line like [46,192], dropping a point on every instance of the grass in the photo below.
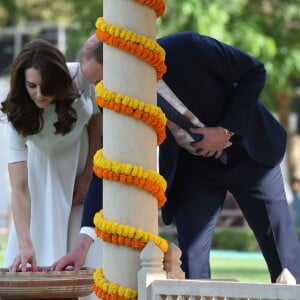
[251,269]
[3,240]
[224,265]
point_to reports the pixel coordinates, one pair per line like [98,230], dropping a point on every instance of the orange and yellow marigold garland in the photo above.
[157,5]
[109,290]
[138,45]
[127,173]
[150,114]
[117,233]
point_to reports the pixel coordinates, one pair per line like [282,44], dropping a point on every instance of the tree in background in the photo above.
[78,15]
[268,29]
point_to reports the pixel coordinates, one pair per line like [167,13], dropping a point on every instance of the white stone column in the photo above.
[128,140]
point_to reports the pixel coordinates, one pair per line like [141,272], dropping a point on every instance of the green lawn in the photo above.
[241,269]
[245,268]
[3,240]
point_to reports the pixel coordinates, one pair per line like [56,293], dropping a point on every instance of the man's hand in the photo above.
[76,257]
[213,143]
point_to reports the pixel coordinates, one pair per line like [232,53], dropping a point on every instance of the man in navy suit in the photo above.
[221,86]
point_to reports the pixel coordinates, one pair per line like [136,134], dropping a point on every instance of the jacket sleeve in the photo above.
[244,72]
[92,203]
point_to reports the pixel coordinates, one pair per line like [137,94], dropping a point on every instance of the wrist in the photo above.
[228,133]
[26,243]
[84,242]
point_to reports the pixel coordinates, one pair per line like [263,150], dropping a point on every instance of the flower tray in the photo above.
[46,284]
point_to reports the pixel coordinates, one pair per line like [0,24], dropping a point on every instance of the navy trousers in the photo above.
[197,196]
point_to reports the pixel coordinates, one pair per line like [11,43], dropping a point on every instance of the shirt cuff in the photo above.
[90,231]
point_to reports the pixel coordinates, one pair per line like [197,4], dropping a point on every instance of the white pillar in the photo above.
[128,140]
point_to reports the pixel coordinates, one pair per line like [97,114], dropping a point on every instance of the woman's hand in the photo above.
[25,256]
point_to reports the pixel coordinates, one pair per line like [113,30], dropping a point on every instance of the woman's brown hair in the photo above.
[21,111]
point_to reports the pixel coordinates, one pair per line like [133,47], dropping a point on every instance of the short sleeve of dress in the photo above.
[16,145]
[87,89]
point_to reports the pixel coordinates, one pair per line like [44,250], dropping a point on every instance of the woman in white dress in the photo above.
[52,134]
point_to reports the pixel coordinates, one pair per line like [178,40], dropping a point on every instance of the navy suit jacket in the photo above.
[221,85]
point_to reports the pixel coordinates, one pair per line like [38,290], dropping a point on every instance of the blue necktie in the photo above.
[182,121]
